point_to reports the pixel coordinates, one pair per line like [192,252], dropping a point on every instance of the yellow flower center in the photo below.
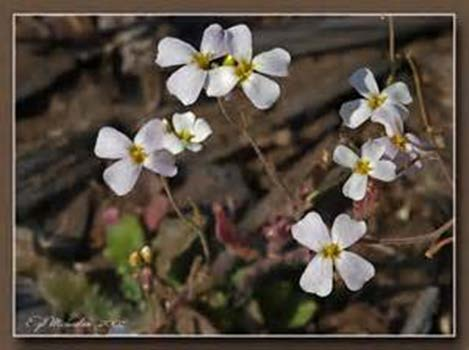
[399,141]
[376,101]
[243,70]
[331,251]
[202,60]
[363,167]
[137,153]
[185,135]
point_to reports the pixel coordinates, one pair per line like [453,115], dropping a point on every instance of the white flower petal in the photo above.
[311,232]
[372,150]
[318,276]
[364,82]
[174,52]
[122,175]
[398,92]
[213,41]
[186,83]
[346,231]
[355,187]
[201,130]
[194,147]
[274,62]
[173,144]
[183,121]
[345,156]
[354,270]
[384,170]
[239,42]
[355,113]
[161,162]
[390,150]
[417,144]
[262,91]
[402,110]
[111,144]
[390,116]
[151,135]
[221,81]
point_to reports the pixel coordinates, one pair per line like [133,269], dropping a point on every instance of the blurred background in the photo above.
[74,236]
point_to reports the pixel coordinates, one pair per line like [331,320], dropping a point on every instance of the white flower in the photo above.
[145,151]
[383,107]
[330,251]
[188,81]
[369,164]
[186,132]
[240,68]
[402,146]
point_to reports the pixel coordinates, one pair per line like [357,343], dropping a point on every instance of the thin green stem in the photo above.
[426,237]
[268,166]
[186,220]
[392,49]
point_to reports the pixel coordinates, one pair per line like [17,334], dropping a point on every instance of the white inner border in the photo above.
[230,14]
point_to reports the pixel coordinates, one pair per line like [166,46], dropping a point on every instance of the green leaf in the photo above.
[302,314]
[131,289]
[121,240]
[63,289]
[69,292]
[284,307]
[98,307]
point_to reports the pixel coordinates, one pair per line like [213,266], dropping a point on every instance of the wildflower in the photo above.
[145,151]
[186,132]
[385,107]
[369,164]
[240,68]
[330,251]
[402,147]
[188,81]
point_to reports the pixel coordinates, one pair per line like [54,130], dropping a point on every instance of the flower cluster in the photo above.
[145,151]
[378,159]
[153,148]
[225,60]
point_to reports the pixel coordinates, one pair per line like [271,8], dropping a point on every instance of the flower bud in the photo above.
[146,254]
[134,259]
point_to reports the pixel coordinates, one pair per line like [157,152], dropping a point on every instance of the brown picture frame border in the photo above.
[198,6]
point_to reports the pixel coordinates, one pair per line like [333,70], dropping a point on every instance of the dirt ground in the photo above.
[77,74]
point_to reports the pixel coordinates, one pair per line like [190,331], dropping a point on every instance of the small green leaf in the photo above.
[131,289]
[122,239]
[302,314]
[63,289]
